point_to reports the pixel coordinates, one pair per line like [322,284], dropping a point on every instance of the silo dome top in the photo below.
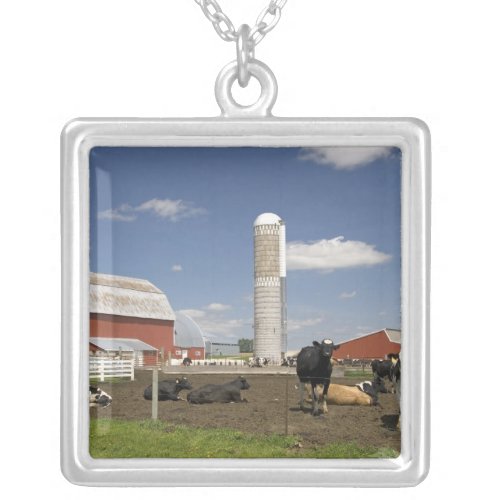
[267,218]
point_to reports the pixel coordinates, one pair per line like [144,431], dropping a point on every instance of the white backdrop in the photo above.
[434,60]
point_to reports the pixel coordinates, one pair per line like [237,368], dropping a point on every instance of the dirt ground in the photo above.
[266,411]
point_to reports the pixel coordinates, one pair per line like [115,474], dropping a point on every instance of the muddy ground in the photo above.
[266,411]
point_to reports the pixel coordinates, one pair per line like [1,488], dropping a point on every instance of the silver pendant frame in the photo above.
[411,136]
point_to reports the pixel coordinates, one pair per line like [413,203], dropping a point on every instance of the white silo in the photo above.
[270,338]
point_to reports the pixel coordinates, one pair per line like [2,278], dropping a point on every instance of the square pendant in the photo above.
[245,302]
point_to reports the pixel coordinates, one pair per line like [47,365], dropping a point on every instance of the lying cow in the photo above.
[314,367]
[222,393]
[98,398]
[168,390]
[362,394]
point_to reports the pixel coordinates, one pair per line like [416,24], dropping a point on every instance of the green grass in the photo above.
[112,438]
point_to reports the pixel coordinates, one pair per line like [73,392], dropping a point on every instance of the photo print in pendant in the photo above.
[211,268]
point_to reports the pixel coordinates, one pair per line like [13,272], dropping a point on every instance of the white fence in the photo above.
[210,362]
[103,368]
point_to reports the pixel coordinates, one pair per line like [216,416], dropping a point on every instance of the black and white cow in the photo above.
[219,393]
[98,398]
[168,390]
[372,388]
[314,367]
[395,376]
[382,369]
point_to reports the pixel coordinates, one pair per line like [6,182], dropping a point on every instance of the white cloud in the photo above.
[345,158]
[217,307]
[172,210]
[214,324]
[348,295]
[298,324]
[221,327]
[176,268]
[193,313]
[328,255]
[123,213]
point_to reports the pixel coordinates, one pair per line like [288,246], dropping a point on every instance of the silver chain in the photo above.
[266,21]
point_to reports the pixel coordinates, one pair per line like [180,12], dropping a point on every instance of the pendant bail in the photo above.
[245,52]
[269,90]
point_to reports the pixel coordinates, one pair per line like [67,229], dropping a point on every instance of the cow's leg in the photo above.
[315,411]
[324,394]
[301,395]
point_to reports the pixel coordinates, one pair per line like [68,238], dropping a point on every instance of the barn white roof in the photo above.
[126,345]
[125,296]
[393,335]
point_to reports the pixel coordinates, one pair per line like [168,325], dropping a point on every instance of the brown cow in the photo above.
[362,394]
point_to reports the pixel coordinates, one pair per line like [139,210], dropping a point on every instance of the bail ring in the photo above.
[244,54]
[269,90]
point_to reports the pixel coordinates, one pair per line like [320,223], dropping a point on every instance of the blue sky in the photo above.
[182,218]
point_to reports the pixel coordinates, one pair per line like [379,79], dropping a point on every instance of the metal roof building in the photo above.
[143,354]
[130,309]
[124,296]
[187,332]
[374,345]
[126,345]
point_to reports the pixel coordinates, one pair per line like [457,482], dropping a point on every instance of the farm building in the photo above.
[375,345]
[143,354]
[188,338]
[130,308]
[221,348]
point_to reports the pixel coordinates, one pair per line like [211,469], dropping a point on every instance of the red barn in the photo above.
[374,345]
[131,308]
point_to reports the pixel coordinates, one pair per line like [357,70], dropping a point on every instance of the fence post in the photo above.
[101,370]
[132,370]
[286,406]
[154,397]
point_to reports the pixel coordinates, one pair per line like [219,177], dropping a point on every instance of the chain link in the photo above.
[266,21]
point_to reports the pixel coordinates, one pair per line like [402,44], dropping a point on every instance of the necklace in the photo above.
[176,263]
[245,65]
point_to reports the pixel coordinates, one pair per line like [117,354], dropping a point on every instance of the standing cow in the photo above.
[395,376]
[314,367]
[382,369]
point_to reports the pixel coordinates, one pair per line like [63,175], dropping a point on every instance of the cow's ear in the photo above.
[316,343]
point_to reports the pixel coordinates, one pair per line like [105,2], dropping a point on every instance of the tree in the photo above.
[246,345]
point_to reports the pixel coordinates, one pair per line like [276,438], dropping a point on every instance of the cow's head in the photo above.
[244,384]
[183,383]
[97,397]
[393,357]
[326,347]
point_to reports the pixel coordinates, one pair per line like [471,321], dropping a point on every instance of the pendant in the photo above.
[245,287]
